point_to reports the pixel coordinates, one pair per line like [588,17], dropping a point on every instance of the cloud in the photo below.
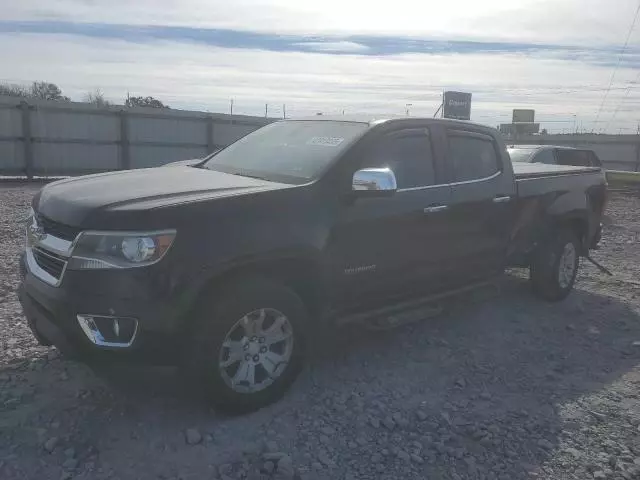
[577,22]
[359,56]
[204,77]
[360,44]
[335,47]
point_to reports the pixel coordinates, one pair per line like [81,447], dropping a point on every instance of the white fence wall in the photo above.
[40,138]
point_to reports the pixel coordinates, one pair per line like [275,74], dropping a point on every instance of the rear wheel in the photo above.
[249,344]
[555,265]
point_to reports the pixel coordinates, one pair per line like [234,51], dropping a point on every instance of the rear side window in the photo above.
[595,161]
[472,156]
[545,156]
[580,158]
[408,153]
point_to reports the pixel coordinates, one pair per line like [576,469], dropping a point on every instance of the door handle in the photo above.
[435,208]
[502,199]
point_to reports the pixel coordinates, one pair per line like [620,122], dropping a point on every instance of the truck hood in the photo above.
[70,201]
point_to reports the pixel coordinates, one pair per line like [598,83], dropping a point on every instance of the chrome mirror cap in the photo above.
[381,180]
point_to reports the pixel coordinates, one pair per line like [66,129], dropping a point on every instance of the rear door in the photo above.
[392,247]
[483,198]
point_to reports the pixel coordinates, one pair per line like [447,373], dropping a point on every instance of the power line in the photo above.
[613,74]
[626,94]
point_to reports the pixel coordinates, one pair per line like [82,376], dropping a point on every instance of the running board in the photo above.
[415,310]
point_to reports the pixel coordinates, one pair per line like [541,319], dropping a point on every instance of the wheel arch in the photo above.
[301,271]
[576,223]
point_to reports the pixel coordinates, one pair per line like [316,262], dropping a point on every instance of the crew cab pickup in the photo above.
[225,265]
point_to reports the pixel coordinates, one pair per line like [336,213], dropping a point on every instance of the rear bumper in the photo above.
[52,314]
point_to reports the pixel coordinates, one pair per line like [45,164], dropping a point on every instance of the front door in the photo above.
[392,247]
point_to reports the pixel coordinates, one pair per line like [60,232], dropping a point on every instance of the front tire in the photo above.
[249,344]
[555,265]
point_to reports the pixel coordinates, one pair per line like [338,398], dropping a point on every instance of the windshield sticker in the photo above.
[326,141]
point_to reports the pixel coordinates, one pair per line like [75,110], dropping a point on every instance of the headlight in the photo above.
[29,221]
[100,250]
[28,218]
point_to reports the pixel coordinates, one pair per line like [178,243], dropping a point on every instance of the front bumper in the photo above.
[140,294]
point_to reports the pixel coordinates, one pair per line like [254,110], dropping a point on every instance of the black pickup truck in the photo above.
[226,265]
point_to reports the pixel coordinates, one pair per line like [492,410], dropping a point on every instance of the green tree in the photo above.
[144,102]
[47,91]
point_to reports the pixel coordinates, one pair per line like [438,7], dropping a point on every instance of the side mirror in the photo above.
[374,181]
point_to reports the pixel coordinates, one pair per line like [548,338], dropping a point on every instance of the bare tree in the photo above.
[13,90]
[96,97]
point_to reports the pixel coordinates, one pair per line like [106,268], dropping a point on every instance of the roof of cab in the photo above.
[377,120]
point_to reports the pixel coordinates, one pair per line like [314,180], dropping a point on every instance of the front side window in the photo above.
[408,154]
[294,152]
[472,157]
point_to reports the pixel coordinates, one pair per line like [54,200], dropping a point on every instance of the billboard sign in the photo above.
[523,116]
[511,129]
[457,105]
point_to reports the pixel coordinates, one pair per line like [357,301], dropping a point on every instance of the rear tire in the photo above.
[555,265]
[248,344]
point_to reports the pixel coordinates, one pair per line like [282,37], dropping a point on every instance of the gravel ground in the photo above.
[505,387]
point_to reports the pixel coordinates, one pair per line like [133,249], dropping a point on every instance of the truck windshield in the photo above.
[520,154]
[295,151]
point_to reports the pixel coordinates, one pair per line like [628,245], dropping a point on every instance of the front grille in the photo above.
[57,229]
[49,262]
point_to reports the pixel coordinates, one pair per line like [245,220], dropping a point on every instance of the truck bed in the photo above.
[536,179]
[537,170]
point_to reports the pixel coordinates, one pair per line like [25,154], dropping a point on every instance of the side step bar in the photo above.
[411,311]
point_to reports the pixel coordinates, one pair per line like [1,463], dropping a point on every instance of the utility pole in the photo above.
[284,110]
[231,107]
[266,110]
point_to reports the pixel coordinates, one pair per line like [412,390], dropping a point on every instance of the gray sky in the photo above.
[554,56]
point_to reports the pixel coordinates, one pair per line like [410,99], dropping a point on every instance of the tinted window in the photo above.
[581,158]
[290,151]
[472,157]
[408,155]
[545,156]
[595,161]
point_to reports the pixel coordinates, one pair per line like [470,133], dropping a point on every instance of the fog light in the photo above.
[109,331]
